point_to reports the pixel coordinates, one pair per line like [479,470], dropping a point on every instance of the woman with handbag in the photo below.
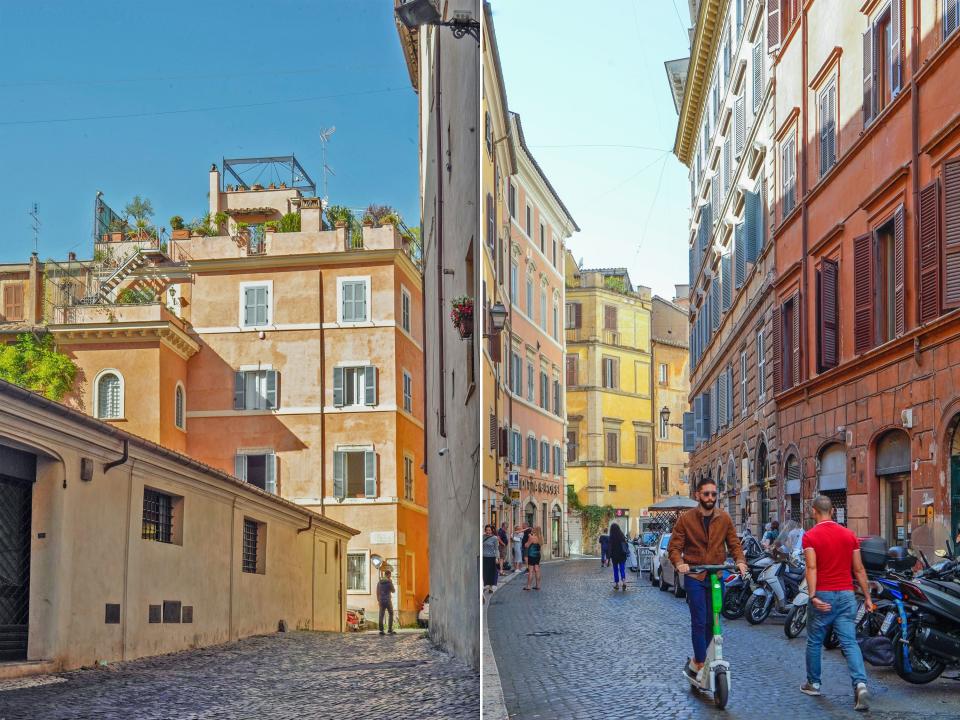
[618,557]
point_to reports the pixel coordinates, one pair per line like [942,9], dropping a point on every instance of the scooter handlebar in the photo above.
[711,568]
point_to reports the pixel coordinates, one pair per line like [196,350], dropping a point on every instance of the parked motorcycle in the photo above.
[737,590]
[780,581]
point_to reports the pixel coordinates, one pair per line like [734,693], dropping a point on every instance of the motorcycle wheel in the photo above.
[678,591]
[722,692]
[662,585]
[757,609]
[733,604]
[796,621]
[832,640]
[924,668]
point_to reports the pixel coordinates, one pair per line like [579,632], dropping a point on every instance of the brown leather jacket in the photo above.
[691,545]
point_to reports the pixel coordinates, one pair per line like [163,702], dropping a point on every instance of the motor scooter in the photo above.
[780,581]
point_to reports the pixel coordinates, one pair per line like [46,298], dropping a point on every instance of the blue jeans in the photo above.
[842,615]
[618,572]
[700,602]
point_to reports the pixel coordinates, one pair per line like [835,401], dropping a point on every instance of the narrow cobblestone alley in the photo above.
[577,650]
[276,677]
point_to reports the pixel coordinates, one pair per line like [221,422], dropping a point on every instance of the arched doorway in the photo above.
[18,472]
[733,490]
[893,475]
[954,469]
[832,480]
[763,504]
[555,529]
[793,476]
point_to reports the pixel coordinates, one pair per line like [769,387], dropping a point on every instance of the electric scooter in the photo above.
[714,676]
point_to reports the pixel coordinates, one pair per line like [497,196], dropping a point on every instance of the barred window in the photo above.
[252,557]
[157,516]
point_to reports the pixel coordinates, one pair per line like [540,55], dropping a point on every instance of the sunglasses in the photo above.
[708,494]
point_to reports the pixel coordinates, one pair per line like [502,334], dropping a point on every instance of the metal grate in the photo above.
[250,533]
[839,500]
[157,516]
[15,516]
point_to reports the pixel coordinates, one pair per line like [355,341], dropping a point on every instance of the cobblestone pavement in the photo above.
[578,650]
[295,675]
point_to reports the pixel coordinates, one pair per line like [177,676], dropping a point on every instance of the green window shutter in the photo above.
[249,306]
[338,473]
[370,385]
[338,387]
[726,281]
[360,301]
[347,302]
[739,256]
[239,391]
[240,466]
[271,481]
[271,380]
[262,305]
[370,473]
[753,219]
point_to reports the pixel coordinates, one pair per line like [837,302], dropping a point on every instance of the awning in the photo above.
[677,502]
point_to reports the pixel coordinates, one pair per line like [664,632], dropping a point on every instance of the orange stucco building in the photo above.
[293,360]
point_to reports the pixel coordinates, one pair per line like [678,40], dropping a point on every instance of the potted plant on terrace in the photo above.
[462,315]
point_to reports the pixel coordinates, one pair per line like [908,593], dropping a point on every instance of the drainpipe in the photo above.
[323,398]
[915,130]
[804,232]
[441,400]
[126,456]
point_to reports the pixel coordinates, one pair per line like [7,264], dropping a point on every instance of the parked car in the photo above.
[423,617]
[668,577]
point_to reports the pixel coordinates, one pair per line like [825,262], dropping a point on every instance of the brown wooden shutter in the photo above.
[899,320]
[863,293]
[827,307]
[13,302]
[609,317]
[571,370]
[795,349]
[951,234]
[773,23]
[504,440]
[777,350]
[867,77]
[577,316]
[493,431]
[928,252]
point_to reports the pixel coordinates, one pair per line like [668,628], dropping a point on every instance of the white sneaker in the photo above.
[861,697]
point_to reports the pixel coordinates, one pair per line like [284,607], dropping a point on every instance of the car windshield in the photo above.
[664,541]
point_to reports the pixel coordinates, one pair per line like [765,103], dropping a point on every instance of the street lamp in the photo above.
[413,13]
[498,318]
[665,418]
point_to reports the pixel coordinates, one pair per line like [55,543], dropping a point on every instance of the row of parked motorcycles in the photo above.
[915,626]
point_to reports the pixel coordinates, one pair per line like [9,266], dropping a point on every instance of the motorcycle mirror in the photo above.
[923,557]
[940,552]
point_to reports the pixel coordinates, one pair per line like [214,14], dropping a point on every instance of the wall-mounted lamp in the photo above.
[413,13]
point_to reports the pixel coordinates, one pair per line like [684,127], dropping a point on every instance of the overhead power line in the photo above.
[157,113]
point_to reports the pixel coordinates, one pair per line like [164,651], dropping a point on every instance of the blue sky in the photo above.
[588,74]
[68,60]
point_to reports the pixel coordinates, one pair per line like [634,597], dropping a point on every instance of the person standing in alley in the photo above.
[385,592]
[523,545]
[832,553]
[534,544]
[504,547]
[604,541]
[491,554]
[617,552]
[518,547]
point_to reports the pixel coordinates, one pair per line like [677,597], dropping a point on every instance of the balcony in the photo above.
[114,314]
[90,324]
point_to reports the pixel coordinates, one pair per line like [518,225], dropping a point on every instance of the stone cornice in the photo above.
[703,51]
[97,333]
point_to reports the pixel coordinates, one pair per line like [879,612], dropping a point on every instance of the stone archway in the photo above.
[761,514]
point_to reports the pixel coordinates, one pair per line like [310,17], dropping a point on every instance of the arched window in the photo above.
[179,415]
[109,395]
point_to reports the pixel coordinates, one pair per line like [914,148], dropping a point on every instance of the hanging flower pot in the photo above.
[462,315]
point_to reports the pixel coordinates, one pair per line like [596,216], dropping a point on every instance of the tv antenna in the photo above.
[325,134]
[35,217]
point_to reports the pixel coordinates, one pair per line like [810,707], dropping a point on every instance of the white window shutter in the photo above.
[271,471]
[370,473]
[271,394]
[338,387]
[240,467]
[370,385]
[338,473]
[239,391]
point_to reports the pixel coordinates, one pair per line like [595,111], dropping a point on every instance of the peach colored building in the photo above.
[293,360]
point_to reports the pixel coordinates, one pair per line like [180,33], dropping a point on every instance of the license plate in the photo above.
[861,612]
[887,622]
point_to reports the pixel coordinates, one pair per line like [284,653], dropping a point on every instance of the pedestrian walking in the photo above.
[533,545]
[518,547]
[385,592]
[523,545]
[833,558]
[504,547]
[491,553]
[604,541]
[618,556]
[773,530]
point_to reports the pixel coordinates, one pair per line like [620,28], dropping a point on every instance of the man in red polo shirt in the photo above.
[833,556]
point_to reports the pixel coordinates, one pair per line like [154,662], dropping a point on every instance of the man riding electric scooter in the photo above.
[703,536]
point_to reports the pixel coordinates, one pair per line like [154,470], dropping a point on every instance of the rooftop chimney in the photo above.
[71,256]
[214,190]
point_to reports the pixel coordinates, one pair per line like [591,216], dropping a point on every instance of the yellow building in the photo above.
[671,361]
[609,398]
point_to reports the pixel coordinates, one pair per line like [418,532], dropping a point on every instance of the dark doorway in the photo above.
[16,496]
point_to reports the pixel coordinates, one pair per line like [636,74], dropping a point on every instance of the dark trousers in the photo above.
[490,573]
[388,608]
[701,614]
[603,555]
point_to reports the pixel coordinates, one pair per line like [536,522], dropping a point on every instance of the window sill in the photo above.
[116,419]
[257,328]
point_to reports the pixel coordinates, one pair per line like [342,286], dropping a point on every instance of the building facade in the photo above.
[867,346]
[444,73]
[609,379]
[117,548]
[292,360]
[671,388]
[724,136]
